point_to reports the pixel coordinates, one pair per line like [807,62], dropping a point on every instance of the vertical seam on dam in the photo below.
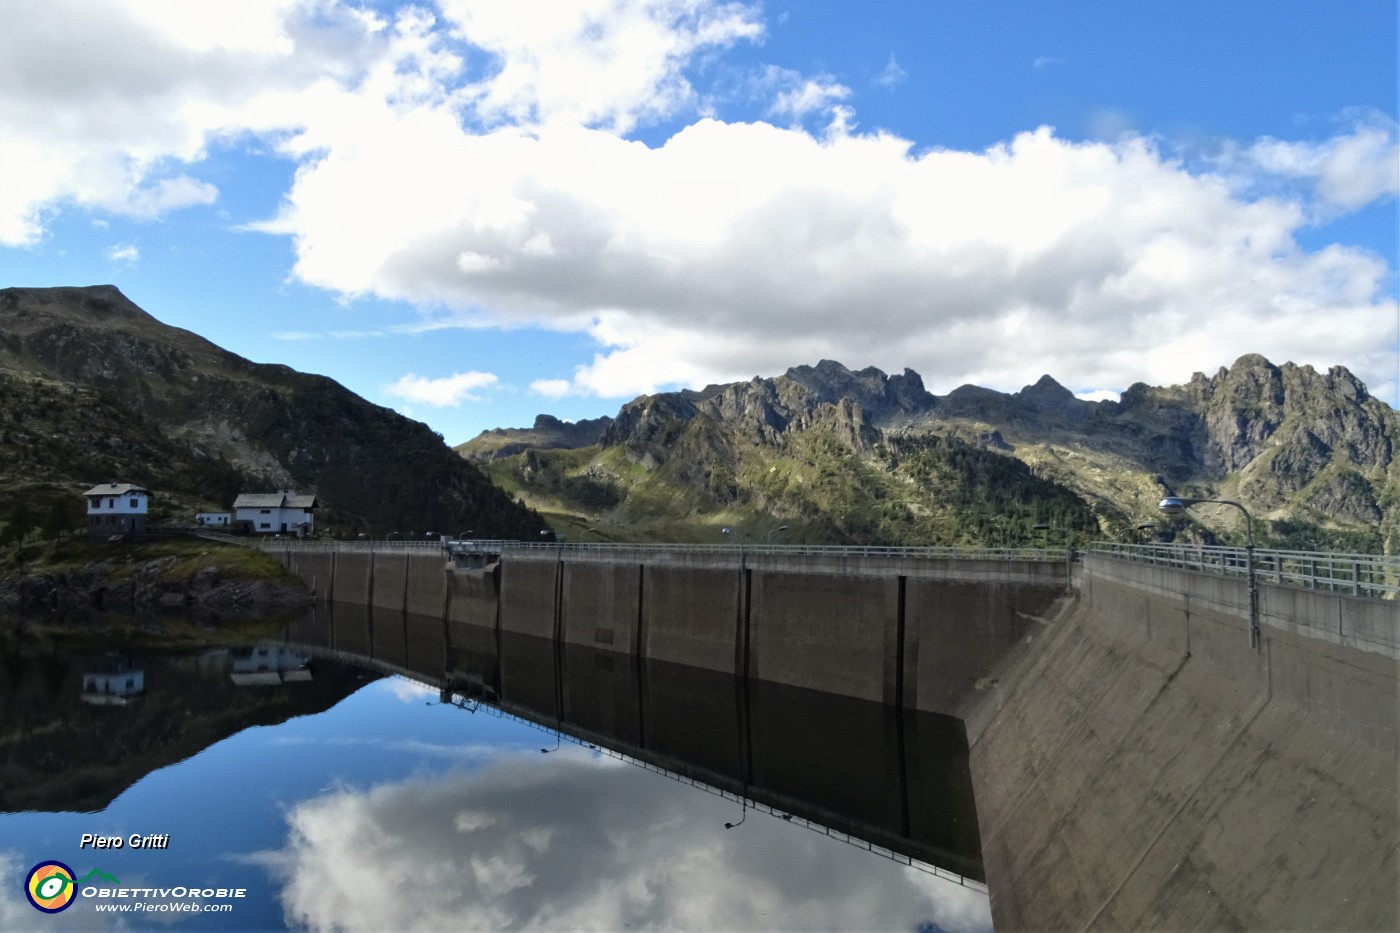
[330,588]
[899,627]
[900,735]
[637,666]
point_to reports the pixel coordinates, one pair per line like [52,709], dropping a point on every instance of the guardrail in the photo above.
[1370,575]
[475,545]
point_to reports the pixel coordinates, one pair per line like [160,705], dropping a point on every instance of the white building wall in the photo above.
[129,504]
[271,521]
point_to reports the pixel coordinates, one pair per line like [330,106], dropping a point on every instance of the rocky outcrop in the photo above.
[884,399]
[547,433]
[102,586]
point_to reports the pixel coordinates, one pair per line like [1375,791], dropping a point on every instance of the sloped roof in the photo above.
[116,489]
[274,500]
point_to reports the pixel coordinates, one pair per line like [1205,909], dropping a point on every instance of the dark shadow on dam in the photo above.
[897,779]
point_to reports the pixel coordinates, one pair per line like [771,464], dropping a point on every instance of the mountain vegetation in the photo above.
[862,456]
[93,389]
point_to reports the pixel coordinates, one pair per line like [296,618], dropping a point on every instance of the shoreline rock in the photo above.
[206,593]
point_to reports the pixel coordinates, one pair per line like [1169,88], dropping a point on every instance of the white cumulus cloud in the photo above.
[123,252]
[551,388]
[1350,170]
[480,159]
[742,248]
[446,392]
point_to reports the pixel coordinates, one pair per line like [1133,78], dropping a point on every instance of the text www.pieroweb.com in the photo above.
[184,907]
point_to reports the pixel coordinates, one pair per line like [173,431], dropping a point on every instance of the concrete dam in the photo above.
[1133,760]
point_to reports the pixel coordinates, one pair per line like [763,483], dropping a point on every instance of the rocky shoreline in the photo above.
[108,587]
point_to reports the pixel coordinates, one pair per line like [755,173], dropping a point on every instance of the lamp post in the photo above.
[1175,505]
[740,535]
[772,531]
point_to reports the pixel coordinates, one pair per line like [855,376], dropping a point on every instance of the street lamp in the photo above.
[1175,505]
[772,532]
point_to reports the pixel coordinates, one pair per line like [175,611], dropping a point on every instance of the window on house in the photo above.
[133,503]
[264,524]
[265,511]
[111,503]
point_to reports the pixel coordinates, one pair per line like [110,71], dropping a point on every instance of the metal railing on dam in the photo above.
[502,545]
[1375,576]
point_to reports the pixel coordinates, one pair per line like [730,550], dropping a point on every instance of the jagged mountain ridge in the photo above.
[93,388]
[1302,448]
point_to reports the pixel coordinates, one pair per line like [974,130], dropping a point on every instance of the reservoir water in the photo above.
[366,771]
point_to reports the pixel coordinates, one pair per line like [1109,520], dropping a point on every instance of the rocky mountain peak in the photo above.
[882,397]
[92,304]
[1048,396]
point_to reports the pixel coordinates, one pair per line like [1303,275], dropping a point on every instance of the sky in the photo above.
[473,212]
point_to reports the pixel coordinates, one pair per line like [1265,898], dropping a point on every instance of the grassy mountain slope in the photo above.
[92,389]
[835,453]
[759,456]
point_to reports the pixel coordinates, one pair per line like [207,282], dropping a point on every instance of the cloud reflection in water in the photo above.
[575,841]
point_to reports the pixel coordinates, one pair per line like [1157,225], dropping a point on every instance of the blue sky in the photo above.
[474,212]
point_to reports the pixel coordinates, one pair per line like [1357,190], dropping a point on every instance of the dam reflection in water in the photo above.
[899,780]
[340,814]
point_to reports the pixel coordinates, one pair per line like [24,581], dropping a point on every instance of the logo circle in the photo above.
[50,887]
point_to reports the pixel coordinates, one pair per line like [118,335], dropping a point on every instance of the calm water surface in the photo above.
[339,797]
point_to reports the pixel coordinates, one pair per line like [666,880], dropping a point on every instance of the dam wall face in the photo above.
[1139,765]
[918,635]
[915,633]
